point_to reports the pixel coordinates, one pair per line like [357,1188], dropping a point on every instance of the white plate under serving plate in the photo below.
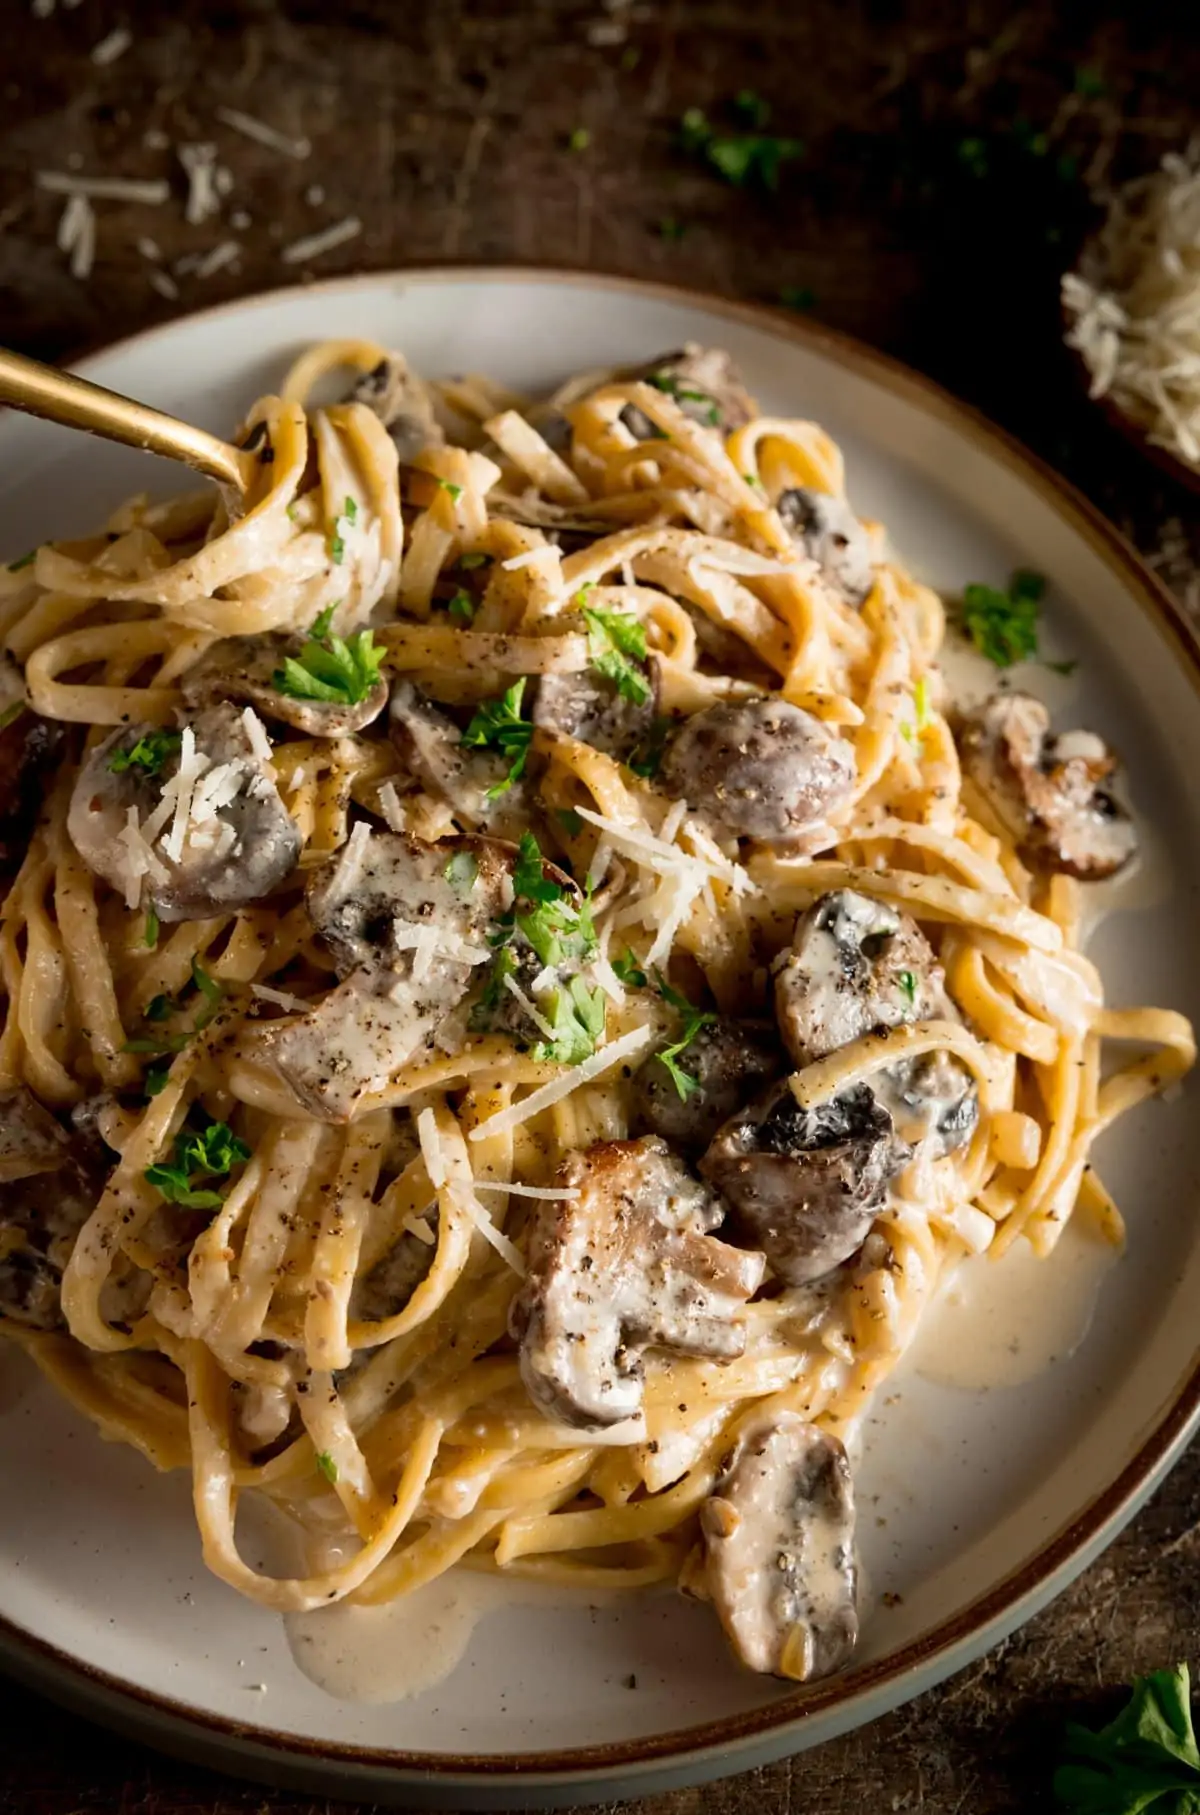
[978,1504]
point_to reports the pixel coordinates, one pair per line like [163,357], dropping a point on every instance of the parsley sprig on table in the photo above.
[148,755]
[339,671]
[1145,1762]
[693,1019]
[616,642]
[741,157]
[200,1154]
[1004,625]
[498,725]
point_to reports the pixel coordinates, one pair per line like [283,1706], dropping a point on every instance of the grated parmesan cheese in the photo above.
[416,935]
[113,46]
[262,134]
[1134,304]
[560,1087]
[515,1190]
[421,1228]
[468,1202]
[282,998]
[256,731]
[314,244]
[431,1148]
[389,806]
[104,188]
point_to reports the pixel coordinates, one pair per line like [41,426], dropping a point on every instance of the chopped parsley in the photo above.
[467,562]
[327,1467]
[1003,625]
[552,923]
[671,229]
[1145,1762]
[674,387]
[579,139]
[921,702]
[155,1079]
[616,640]
[572,822]
[740,157]
[11,714]
[462,872]
[161,1008]
[148,754]
[629,971]
[498,725]
[448,485]
[337,545]
[24,561]
[693,1019]
[150,934]
[461,606]
[908,985]
[207,1153]
[206,984]
[577,1019]
[646,759]
[336,670]
[753,109]
[1067,667]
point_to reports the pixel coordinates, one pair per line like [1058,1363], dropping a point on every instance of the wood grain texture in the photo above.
[944,182]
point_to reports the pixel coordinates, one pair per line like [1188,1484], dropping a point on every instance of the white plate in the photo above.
[977,1506]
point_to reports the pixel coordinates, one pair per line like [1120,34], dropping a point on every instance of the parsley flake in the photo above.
[448,485]
[150,934]
[155,1080]
[616,640]
[461,606]
[629,971]
[327,1467]
[207,1153]
[24,561]
[674,387]
[335,670]
[148,754]
[462,872]
[908,985]
[498,725]
[693,1019]
[571,821]
[477,560]
[576,1015]
[1003,625]
[740,157]
[646,759]
[579,139]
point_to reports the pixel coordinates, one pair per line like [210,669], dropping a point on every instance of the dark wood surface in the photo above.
[949,150]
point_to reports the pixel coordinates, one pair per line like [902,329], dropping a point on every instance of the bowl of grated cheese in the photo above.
[1131,308]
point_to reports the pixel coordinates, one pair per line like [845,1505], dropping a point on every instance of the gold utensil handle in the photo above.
[60,397]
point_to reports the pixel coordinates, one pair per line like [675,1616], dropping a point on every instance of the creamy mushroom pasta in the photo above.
[519,987]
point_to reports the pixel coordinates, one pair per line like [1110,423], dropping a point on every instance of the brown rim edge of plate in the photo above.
[699,1746]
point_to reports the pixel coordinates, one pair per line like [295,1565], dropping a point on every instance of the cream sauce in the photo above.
[998,1323]
[397,1651]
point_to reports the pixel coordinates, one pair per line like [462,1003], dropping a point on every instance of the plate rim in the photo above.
[736,1742]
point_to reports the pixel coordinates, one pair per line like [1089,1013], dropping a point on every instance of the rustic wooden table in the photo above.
[948,154]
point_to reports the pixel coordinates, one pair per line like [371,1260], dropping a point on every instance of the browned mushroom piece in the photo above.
[590,707]
[730,1062]
[237,841]
[828,531]
[762,768]
[703,381]
[1052,794]
[779,1549]
[625,1264]
[245,668]
[407,929]
[430,745]
[806,1184]
[402,401]
[47,1193]
[856,966]
[30,746]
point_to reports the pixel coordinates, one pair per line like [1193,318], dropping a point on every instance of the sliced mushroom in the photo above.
[401,400]
[830,533]
[431,747]
[729,1060]
[406,936]
[46,1196]
[806,1184]
[29,748]
[627,1264]
[391,1282]
[763,768]
[588,706]
[779,1549]
[703,381]
[856,966]
[239,841]
[1052,794]
[244,668]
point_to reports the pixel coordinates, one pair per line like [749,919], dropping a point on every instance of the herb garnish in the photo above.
[448,485]
[337,546]
[327,1467]
[614,637]
[24,561]
[208,1153]
[671,386]
[579,139]
[740,157]
[148,754]
[1067,667]
[1145,1762]
[150,934]
[161,1008]
[477,560]
[1003,625]
[646,759]
[462,872]
[571,821]
[577,1019]
[461,606]
[498,725]
[330,668]
[693,1020]
[908,985]
[11,714]
[553,923]
[629,971]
